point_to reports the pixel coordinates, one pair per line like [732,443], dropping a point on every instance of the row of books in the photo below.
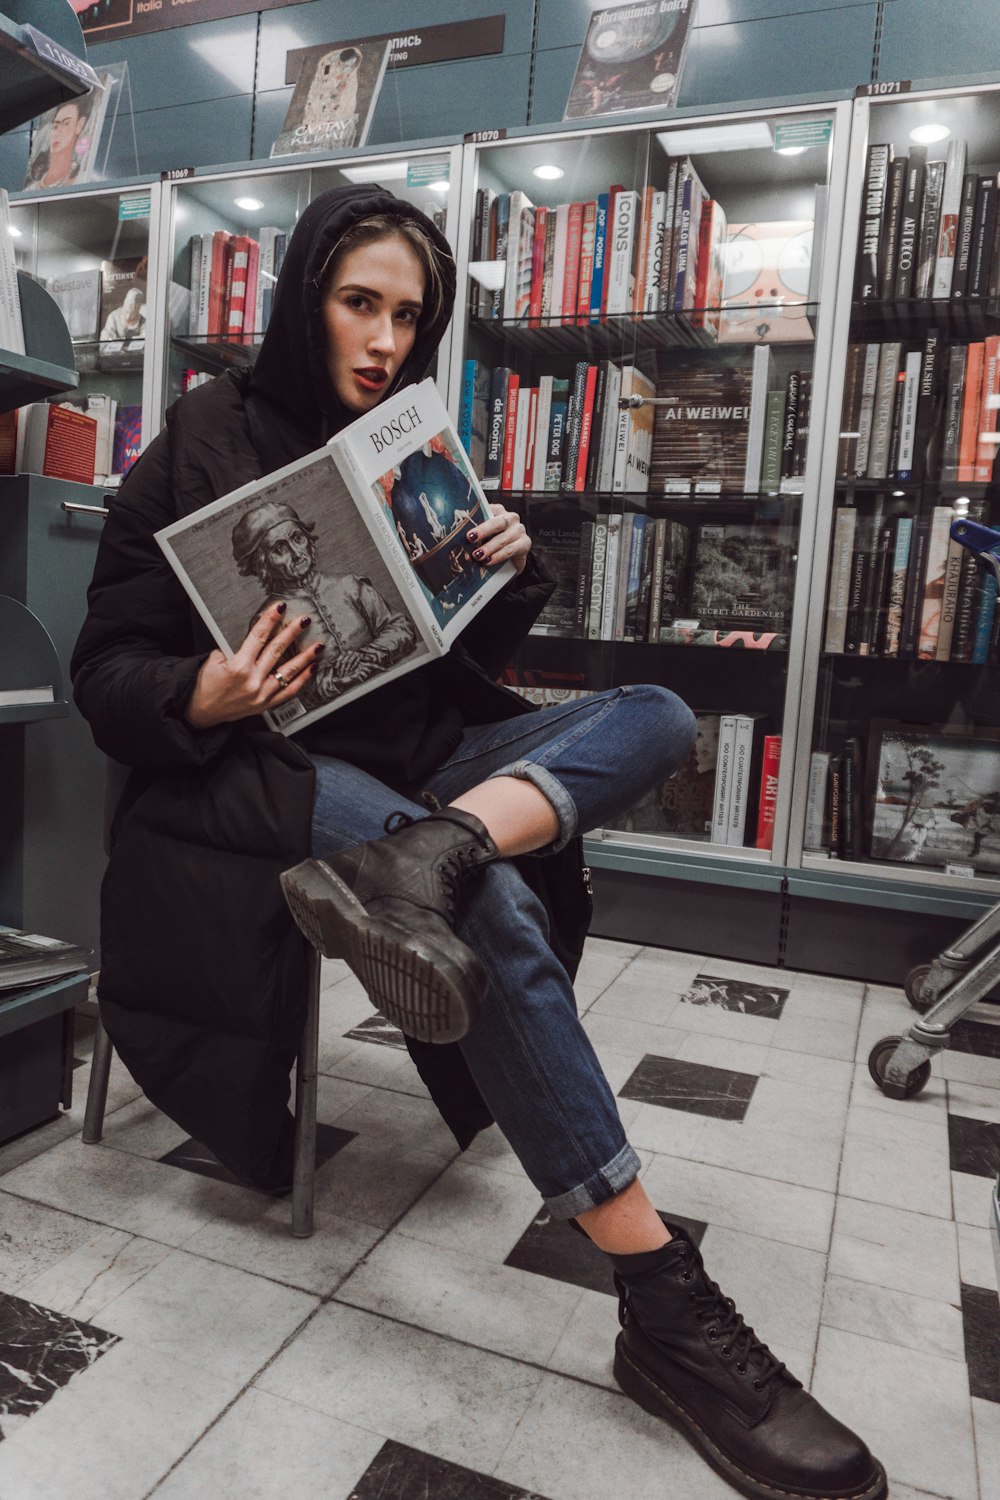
[929,229]
[87,439]
[724,422]
[232,283]
[726,791]
[105,306]
[921,413]
[629,252]
[834,801]
[900,586]
[634,577]
[11,327]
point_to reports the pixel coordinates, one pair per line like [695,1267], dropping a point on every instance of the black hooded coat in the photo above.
[202,983]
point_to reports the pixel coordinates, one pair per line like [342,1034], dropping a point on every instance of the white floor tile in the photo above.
[776,1210]
[913,1412]
[894,1317]
[975,1101]
[34,1238]
[85,1281]
[474,1211]
[896,1249]
[972,1198]
[976,1258]
[652,1005]
[433,1393]
[777,1288]
[897,1160]
[265,1247]
[986,1425]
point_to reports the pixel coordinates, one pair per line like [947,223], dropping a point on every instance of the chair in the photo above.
[306,1069]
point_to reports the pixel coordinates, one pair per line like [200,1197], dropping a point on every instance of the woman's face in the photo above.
[370,311]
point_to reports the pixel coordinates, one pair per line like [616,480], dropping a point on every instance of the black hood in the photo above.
[293,406]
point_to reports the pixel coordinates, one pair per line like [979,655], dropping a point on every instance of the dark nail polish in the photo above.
[306,620]
[313,670]
[319,646]
[470,536]
[282,607]
[479,554]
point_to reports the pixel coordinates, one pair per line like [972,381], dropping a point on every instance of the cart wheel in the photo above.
[878,1061]
[913,988]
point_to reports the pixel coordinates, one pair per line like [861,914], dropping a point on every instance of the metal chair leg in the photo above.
[304,1177]
[97,1091]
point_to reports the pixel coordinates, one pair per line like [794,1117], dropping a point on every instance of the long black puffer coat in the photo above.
[203,973]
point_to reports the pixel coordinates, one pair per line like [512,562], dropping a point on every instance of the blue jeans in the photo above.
[531,1059]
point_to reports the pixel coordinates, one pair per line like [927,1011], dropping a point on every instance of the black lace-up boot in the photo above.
[685,1354]
[388,908]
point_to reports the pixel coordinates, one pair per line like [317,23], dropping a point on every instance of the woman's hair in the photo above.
[385,226]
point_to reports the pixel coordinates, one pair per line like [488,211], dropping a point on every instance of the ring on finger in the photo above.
[280,676]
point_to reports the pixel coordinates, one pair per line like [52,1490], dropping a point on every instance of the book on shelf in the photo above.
[903,271]
[766,280]
[741,576]
[517,277]
[928,229]
[700,440]
[747,761]
[867,277]
[127,439]
[58,441]
[29,958]
[815,832]
[473,415]
[558,546]
[8,441]
[767,801]
[123,313]
[951,206]
[77,294]
[632,58]
[934,581]
[892,217]
[723,796]
[682,805]
[839,585]
[337,85]
[963,237]
[380,515]
[936,796]
[11,325]
[761,383]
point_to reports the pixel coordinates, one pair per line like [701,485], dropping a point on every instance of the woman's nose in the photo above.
[383,336]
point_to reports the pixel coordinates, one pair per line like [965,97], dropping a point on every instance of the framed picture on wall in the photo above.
[335,95]
[935,796]
[631,58]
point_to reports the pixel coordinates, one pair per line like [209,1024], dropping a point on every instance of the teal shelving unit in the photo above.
[42,59]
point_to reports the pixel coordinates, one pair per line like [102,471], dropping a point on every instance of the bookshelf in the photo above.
[42,55]
[733,258]
[897,777]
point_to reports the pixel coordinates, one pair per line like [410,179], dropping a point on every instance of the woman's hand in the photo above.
[237,687]
[502,539]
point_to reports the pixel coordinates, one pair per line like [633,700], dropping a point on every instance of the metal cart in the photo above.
[960,976]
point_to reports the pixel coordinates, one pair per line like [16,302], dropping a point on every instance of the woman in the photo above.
[201,979]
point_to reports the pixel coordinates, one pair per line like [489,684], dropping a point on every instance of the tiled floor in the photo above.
[161,1334]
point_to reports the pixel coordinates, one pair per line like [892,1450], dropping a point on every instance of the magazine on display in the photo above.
[935,797]
[122,330]
[631,59]
[67,142]
[335,95]
[366,535]
[28,958]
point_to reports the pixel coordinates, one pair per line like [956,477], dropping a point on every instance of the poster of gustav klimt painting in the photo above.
[432,500]
[631,58]
[334,99]
[936,798]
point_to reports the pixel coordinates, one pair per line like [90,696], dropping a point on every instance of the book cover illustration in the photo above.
[366,536]
[700,439]
[632,58]
[765,288]
[78,296]
[335,94]
[127,443]
[936,798]
[66,141]
[741,576]
[123,313]
[683,803]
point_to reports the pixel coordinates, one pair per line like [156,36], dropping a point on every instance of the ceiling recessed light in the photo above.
[377,171]
[549,173]
[926,135]
[250,204]
[789,150]
[740,136]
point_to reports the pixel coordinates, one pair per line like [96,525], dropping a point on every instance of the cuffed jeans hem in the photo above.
[553,791]
[622,1170]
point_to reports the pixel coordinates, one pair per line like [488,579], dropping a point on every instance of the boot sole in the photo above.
[429,994]
[659,1403]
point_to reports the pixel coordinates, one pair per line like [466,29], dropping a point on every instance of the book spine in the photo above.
[196,252]
[656,583]
[982,237]
[897,585]
[926,424]
[774,436]
[669,219]
[866,410]
[968,592]
[972,392]
[949,599]
[588,232]
[740,777]
[877,601]
[761,378]
[723,778]
[768,800]
[963,244]
[861,560]
[834,785]
[527,411]
[495,433]
[597,425]
[586,428]
[600,257]
[930,221]
[840,579]
[819,772]
[543,419]
[654,253]
[892,224]
[621,276]
[934,581]
[954,395]
[604,477]
[537,267]
[914,596]
[510,431]
[908,425]
[851,410]
[620,604]
[951,206]
[866,283]
[499,233]
[11,324]
[909,227]
[558,413]
[878,456]
[548,268]
[574,413]
[646,557]
[791,423]
[464,428]
[597,577]
[633,587]
[985,615]
[586,573]
[989,405]
[571,266]
[611,564]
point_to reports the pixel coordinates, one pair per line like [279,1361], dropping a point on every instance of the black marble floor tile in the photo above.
[401,1473]
[377,1029]
[550,1247]
[736,994]
[40,1352]
[978,1037]
[981,1321]
[973,1146]
[192,1156]
[693,1087]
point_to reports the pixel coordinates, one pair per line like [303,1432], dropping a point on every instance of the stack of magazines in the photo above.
[27,958]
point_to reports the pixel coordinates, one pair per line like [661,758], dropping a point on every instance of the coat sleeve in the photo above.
[136,660]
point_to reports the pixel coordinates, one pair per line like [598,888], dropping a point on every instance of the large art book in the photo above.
[631,58]
[366,536]
[335,94]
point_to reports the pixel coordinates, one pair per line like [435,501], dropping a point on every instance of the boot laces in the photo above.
[456,862]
